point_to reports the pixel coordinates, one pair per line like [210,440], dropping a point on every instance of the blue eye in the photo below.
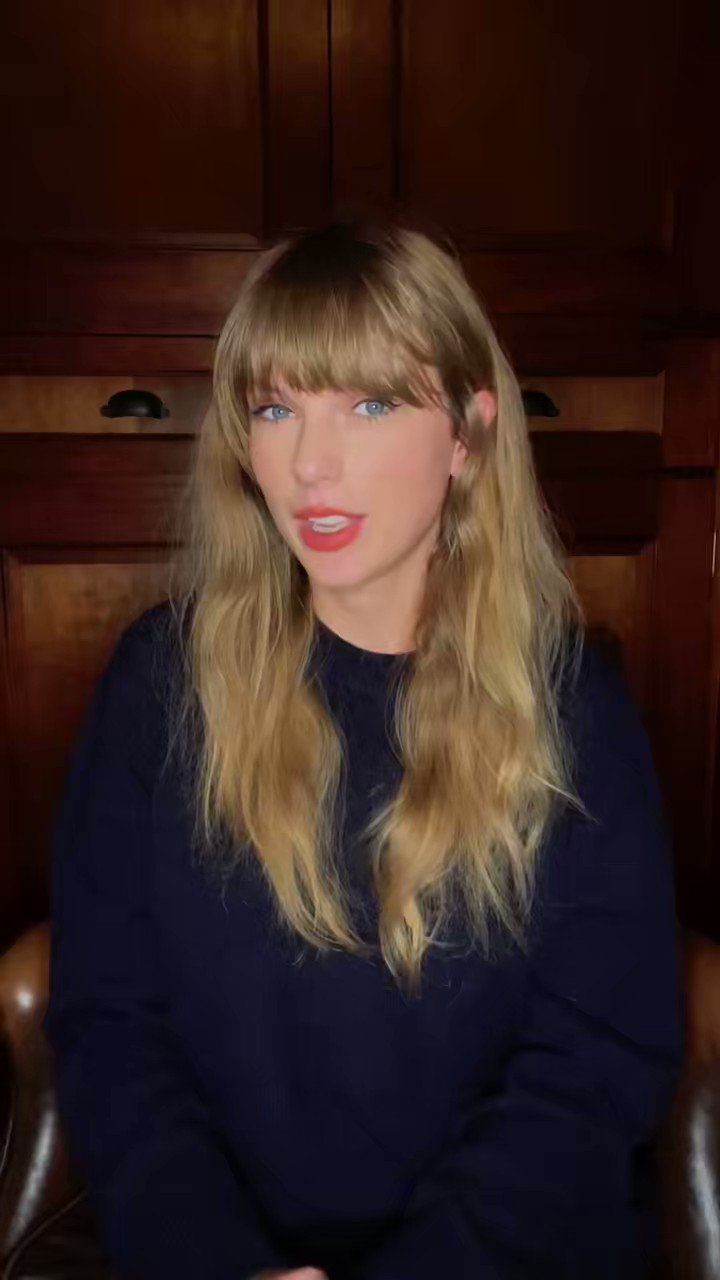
[375,408]
[267,412]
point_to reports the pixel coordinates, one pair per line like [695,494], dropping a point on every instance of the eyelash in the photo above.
[389,404]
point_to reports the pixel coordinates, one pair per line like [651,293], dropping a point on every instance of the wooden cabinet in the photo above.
[521,126]
[134,118]
[152,145]
[566,149]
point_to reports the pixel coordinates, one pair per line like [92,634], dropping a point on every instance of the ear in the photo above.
[485,404]
[458,458]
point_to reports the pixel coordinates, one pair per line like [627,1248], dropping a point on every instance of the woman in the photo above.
[363,931]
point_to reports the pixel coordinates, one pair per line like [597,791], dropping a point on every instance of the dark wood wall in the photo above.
[151,149]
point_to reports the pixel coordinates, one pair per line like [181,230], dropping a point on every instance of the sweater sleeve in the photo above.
[167,1201]
[550,1177]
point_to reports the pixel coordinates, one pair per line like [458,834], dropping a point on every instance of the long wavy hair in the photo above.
[486,762]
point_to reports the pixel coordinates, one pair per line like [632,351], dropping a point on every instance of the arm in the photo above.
[167,1200]
[540,1183]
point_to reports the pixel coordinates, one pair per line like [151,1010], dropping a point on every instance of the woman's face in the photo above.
[386,465]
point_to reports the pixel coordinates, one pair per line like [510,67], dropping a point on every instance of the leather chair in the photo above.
[48,1230]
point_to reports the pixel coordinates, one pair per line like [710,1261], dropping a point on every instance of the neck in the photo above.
[380,615]
[378,630]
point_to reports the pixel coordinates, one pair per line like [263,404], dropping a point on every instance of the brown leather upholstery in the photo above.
[690,1166]
[47,1228]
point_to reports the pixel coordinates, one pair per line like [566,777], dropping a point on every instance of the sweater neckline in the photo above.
[354,652]
[356,661]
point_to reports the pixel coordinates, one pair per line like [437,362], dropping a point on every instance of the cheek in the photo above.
[414,483]
[267,465]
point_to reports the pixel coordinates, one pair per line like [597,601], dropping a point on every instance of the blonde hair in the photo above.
[486,763]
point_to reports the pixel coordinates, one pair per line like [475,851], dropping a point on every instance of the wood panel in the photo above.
[64,611]
[78,289]
[692,403]
[694,135]
[150,147]
[73,405]
[547,345]
[595,403]
[133,116]
[112,490]
[94,289]
[684,694]
[525,124]
[297,124]
[713,709]
[363,103]
[115,490]
[68,354]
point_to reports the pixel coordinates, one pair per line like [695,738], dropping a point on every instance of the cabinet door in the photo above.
[154,119]
[153,146]
[528,124]
[544,134]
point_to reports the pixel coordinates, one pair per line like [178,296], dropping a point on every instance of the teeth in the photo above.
[329,524]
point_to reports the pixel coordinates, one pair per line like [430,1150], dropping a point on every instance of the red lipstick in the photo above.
[305,513]
[341,527]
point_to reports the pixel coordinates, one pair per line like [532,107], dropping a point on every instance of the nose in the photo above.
[317,452]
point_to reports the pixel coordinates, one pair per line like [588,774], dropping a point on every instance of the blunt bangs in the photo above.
[328,338]
[336,314]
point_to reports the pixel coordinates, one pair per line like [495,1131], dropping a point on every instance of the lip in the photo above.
[330,541]
[312,513]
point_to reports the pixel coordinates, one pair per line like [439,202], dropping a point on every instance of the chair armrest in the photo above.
[689,1147]
[689,1166]
[36,1175]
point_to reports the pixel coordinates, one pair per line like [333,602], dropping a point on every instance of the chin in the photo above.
[327,570]
[340,578]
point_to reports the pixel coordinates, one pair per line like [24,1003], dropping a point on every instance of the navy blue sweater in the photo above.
[232,1109]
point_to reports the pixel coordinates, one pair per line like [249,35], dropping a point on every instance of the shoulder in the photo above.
[153,630]
[138,685]
[149,650]
[613,764]
[611,772]
[606,885]
[605,723]
[622,837]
